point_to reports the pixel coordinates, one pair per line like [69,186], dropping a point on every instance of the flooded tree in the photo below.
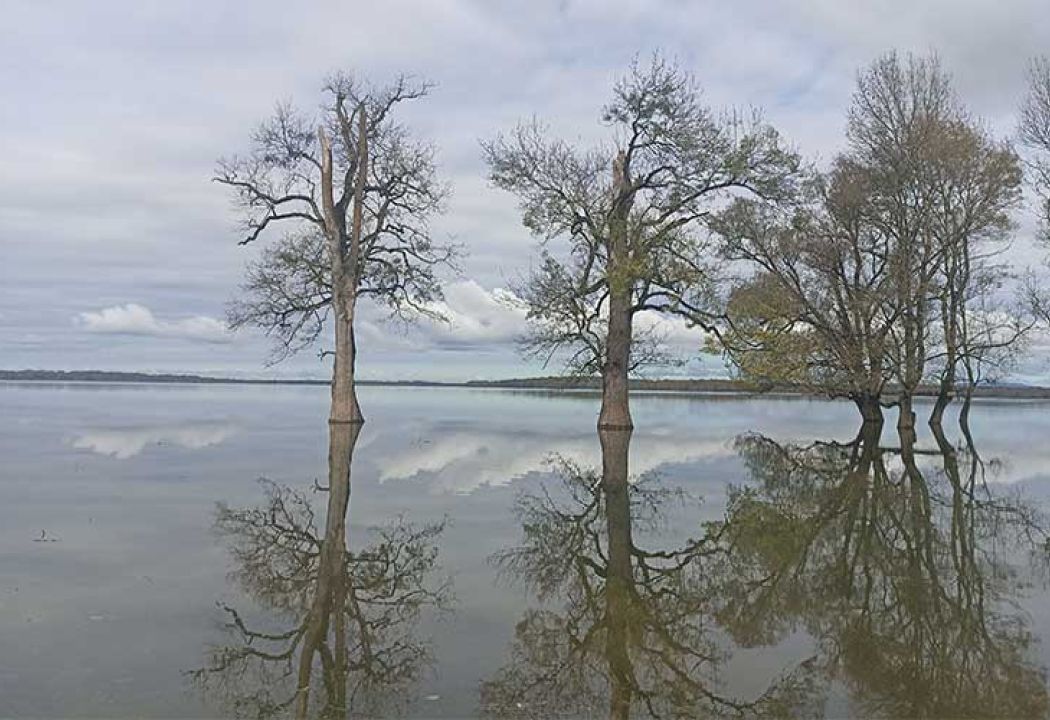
[1035,132]
[901,564]
[341,638]
[888,275]
[355,194]
[633,213]
[633,630]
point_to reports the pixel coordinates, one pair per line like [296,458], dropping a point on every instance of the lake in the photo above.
[160,546]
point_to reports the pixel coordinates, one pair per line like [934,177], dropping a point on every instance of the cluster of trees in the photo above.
[882,273]
[886,272]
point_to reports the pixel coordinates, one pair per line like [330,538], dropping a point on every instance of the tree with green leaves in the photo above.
[887,275]
[633,214]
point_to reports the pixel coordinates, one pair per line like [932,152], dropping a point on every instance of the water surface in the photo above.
[795,573]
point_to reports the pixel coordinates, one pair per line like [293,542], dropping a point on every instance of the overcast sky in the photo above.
[117,252]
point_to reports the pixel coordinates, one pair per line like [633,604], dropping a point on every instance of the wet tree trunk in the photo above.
[964,411]
[906,416]
[620,579]
[616,413]
[870,408]
[944,399]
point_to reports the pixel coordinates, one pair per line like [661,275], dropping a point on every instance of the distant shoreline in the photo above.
[554,383]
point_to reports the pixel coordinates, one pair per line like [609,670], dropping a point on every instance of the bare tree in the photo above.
[1035,132]
[633,213]
[356,194]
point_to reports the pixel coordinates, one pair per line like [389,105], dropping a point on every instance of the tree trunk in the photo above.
[906,416]
[870,408]
[616,412]
[619,586]
[344,258]
[344,408]
[964,411]
[329,591]
[944,399]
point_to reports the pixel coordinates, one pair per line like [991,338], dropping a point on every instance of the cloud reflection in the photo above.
[123,443]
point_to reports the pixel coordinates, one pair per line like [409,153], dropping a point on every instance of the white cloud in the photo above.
[474,318]
[151,226]
[135,319]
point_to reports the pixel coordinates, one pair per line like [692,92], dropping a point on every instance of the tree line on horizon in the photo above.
[871,278]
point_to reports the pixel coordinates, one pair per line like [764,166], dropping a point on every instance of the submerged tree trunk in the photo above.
[328,603]
[619,585]
[944,399]
[906,416]
[616,412]
[870,408]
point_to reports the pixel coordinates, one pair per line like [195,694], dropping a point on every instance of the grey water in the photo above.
[116,582]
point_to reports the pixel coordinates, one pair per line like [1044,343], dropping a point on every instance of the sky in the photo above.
[118,252]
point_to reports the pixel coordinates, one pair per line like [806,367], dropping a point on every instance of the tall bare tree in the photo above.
[633,213]
[355,193]
[1035,132]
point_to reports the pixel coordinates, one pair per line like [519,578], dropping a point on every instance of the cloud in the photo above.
[472,318]
[135,319]
[150,226]
[476,316]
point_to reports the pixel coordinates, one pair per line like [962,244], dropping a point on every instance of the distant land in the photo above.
[555,383]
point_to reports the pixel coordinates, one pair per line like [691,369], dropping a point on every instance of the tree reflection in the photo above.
[632,630]
[898,562]
[341,633]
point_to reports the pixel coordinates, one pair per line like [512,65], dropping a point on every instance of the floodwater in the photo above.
[168,551]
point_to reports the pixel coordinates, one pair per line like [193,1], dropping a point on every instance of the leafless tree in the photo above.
[1035,132]
[355,193]
[633,213]
[1035,137]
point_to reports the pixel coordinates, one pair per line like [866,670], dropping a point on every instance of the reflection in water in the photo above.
[126,443]
[896,560]
[633,630]
[342,638]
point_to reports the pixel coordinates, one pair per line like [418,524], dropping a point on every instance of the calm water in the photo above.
[763,558]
